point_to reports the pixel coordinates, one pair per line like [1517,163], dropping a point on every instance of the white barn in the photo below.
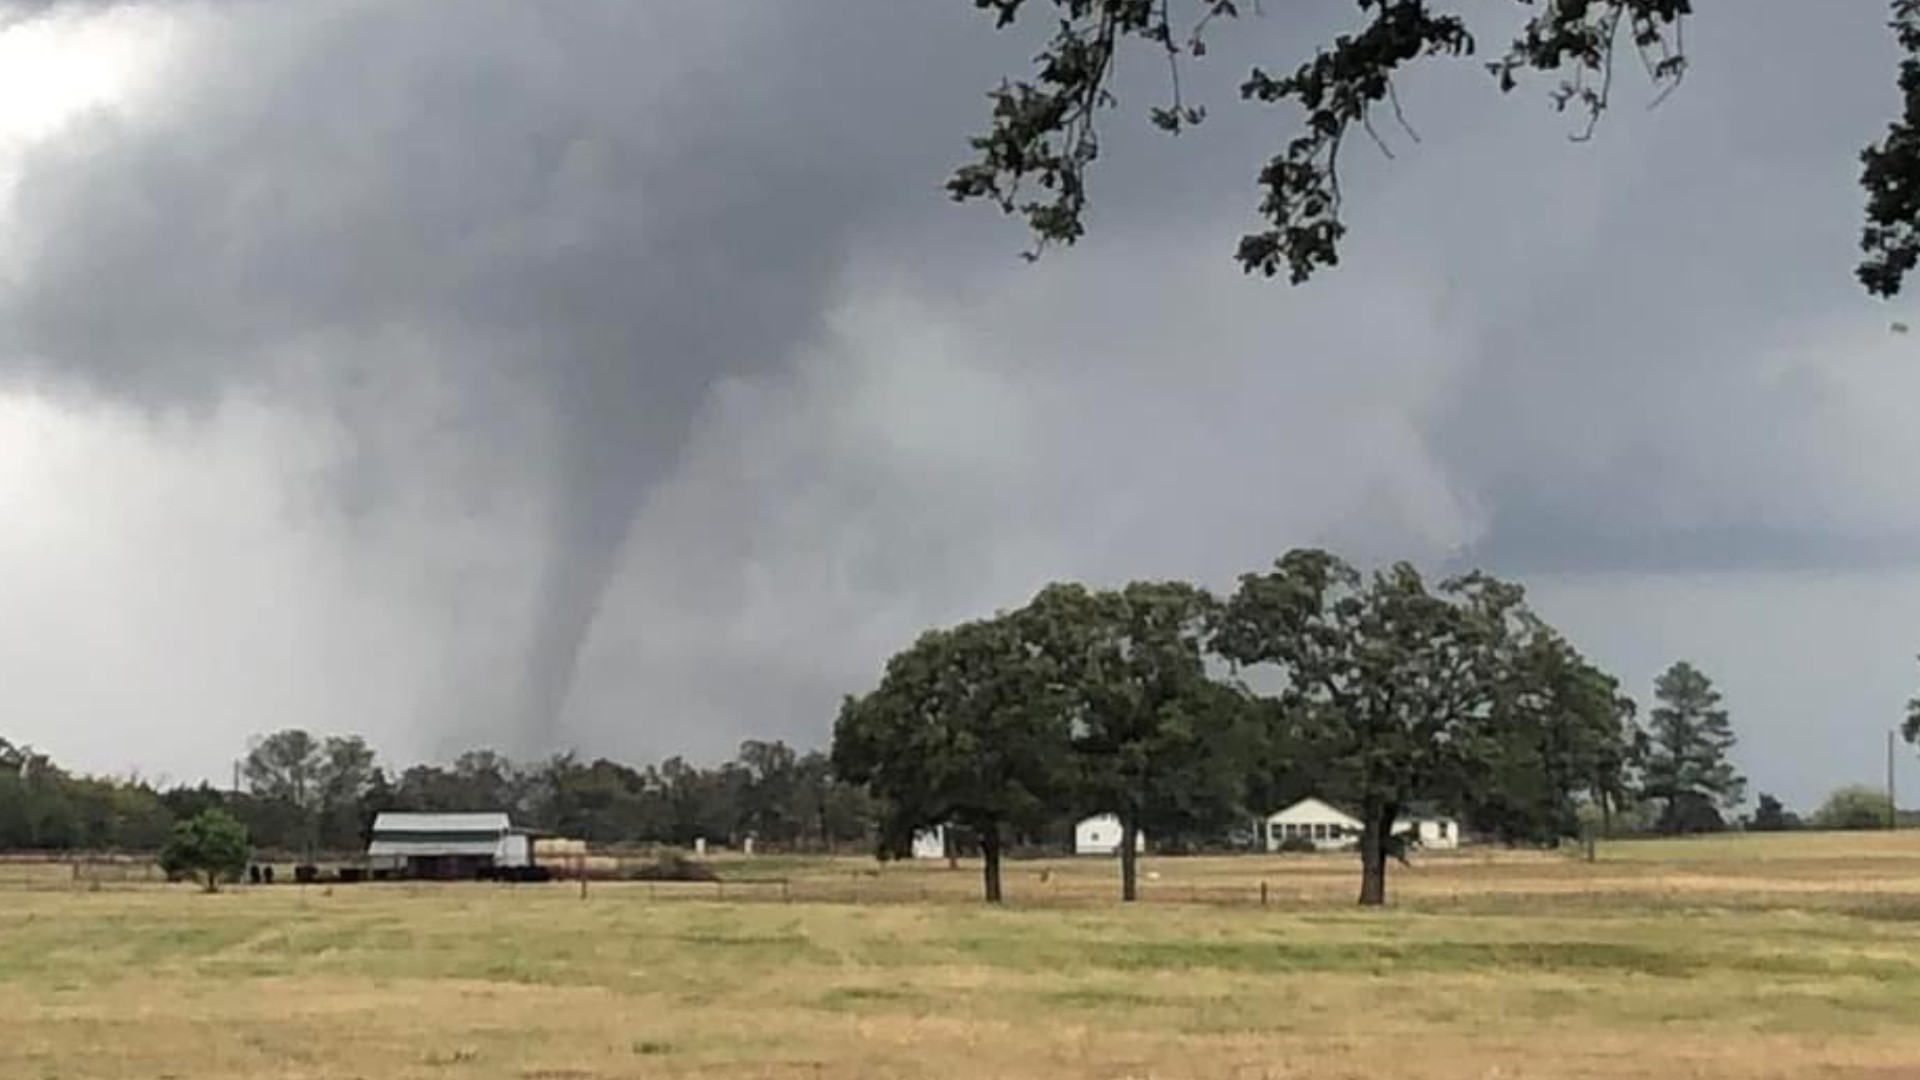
[1100,835]
[446,845]
[1330,828]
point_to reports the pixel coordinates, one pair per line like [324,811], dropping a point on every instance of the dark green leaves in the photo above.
[211,844]
[1890,173]
[1690,736]
[1581,38]
[1338,91]
[1042,132]
[967,726]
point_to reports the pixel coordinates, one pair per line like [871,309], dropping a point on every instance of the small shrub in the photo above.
[211,846]
[1295,845]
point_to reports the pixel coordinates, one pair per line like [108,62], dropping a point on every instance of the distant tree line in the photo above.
[303,794]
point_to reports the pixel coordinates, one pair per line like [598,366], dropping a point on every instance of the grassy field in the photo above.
[1742,957]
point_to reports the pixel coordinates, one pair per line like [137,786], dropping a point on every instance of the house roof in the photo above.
[1330,805]
[1412,812]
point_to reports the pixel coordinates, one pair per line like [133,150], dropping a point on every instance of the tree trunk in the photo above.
[990,848]
[1129,861]
[1376,832]
[213,881]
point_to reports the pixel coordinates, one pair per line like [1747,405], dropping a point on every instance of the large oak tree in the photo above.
[1398,681]
[1155,739]
[967,727]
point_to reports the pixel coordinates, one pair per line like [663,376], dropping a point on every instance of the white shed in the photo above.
[1100,835]
[1329,828]
[930,843]
[1431,829]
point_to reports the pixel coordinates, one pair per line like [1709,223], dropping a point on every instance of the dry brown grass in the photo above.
[1732,959]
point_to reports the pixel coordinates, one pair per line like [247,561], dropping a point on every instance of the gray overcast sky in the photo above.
[616,375]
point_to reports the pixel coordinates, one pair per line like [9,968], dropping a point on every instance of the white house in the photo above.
[1100,835]
[1330,828]
[930,843]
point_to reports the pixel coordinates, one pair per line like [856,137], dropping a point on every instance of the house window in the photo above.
[1319,831]
[1440,827]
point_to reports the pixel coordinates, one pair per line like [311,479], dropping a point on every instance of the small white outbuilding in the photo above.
[1431,829]
[1100,835]
[930,843]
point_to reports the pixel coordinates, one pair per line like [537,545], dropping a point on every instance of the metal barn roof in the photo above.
[483,824]
[398,835]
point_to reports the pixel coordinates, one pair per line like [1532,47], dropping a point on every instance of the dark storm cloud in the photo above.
[674,395]
[1655,394]
[604,207]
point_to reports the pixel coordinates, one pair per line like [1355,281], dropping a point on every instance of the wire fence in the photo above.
[1451,886]
[77,872]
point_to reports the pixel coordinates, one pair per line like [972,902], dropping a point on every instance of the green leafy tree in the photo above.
[771,809]
[310,792]
[283,771]
[210,845]
[1150,732]
[1564,738]
[1856,806]
[1397,682]
[346,777]
[1043,138]
[838,812]
[1687,768]
[45,808]
[1770,816]
[606,802]
[968,727]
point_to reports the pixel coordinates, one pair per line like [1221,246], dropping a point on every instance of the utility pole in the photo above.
[236,776]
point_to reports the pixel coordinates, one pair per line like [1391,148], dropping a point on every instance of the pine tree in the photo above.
[1687,767]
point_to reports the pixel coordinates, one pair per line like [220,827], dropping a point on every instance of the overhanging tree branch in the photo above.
[1043,132]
